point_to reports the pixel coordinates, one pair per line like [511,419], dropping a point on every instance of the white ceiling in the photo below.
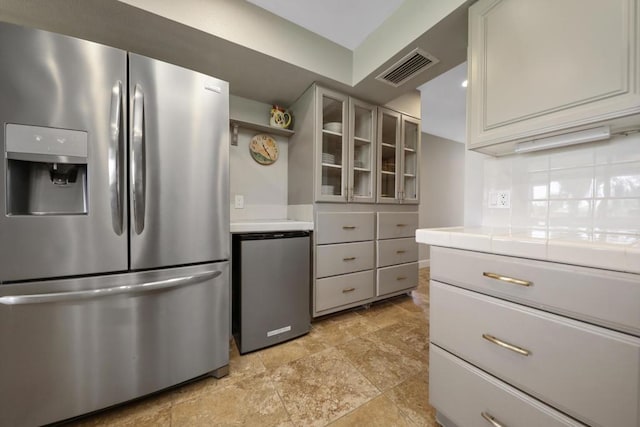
[345,22]
[349,22]
[444,104]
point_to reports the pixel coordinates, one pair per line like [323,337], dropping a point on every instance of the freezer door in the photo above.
[76,346]
[179,165]
[62,174]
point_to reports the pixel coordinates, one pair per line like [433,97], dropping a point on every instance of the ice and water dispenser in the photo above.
[46,171]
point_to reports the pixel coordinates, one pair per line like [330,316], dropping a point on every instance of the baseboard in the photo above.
[424,263]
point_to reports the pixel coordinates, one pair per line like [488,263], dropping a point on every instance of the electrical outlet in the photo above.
[239,201]
[500,199]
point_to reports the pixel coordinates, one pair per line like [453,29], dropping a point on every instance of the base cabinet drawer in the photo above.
[393,225]
[341,227]
[467,396]
[345,289]
[343,258]
[397,251]
[588,372]
[397,278]
[572,291]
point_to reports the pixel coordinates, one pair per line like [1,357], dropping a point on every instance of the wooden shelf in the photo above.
[235,124]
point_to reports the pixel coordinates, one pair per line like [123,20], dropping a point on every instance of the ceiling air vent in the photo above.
[409,66]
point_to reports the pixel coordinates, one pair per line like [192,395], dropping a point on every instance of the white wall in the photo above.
[264,187]
[588,188]
[442,182]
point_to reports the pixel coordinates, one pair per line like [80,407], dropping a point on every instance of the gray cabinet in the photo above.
[344,148]
[397,252]
[344,260]
[532,340]
[398,157]
[544,68]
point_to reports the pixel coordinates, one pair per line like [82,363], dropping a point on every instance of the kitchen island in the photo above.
[534,327]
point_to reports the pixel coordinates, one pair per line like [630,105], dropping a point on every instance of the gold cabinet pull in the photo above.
[506,345]
[401,278]
[347,290]
[507,279]
[401,251]
[349,258]
[491,420]
[348,227]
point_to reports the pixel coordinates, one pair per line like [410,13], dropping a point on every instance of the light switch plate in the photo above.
[238,202]
[500,199]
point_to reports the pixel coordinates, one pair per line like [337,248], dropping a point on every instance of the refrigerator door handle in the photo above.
[138,160]
[104,292]
[114,158]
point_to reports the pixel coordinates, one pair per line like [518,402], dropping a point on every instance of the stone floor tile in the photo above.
[338,329]
[253,401]
[380,412]
[384,364]
[320,388]
[412,397]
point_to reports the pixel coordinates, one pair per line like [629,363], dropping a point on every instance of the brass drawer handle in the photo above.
[348,227]
[491,419]
[507,279]
[350,258]
[506,345]
[401,251]
[401,278]
[347,290]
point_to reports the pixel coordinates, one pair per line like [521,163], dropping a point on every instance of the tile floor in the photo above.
[364,367]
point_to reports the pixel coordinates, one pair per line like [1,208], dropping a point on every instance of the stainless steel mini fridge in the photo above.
[271,288]
[114,226]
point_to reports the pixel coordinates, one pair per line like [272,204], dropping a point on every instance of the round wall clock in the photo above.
[263,149]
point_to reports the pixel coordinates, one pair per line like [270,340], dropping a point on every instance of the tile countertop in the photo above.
[611,251]
[267,225]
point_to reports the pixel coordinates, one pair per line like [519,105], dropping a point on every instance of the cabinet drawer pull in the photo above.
[491,419]
[507,279]
[349,258]
[401,251]
[506,345]
[401,278]
[401,225]
[348,227]
[347,290]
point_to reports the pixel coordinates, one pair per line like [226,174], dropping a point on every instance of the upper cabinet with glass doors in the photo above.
[398,157]
[345,148]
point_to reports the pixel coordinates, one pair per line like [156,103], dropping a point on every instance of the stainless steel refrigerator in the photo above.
[114,230]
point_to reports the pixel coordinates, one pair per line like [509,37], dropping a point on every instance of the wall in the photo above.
[442,172]
[591,187]
[264,187]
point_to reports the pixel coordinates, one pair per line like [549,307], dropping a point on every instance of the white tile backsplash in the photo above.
[590,187]
[618,180]
[573,183]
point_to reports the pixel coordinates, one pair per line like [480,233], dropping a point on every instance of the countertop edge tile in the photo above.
[610,256]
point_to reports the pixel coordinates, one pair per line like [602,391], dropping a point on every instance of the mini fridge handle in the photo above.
[138,160]
[115,290]
[114,158]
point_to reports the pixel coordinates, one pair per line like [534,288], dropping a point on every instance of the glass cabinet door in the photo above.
[389,146]
[331,146]
[410,179]
[362,120]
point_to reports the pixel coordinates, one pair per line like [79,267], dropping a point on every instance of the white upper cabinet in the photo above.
[545,67]
[398,157]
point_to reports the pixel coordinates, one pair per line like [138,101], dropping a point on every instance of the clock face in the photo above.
[263,149]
